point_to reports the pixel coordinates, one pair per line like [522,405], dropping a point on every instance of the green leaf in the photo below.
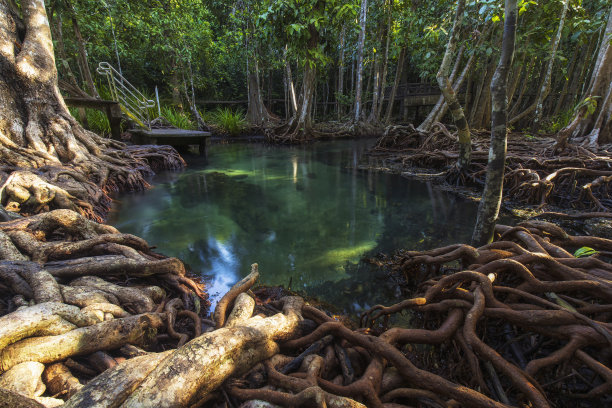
[585,251]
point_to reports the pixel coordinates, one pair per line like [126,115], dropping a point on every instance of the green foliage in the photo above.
[226,120]
[169,44]
[585,251]
[558,122]
[178,118]
[232,122]
[590,103]
[97,120]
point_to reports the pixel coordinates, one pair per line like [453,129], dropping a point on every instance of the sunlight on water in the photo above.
[303,213]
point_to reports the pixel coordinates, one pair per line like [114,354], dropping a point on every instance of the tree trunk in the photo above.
[482,105]
[257,113]
[516,77]
[37,130]
[383,79]
[398,73]
[290,86]
[488,208]
[175,87]
[514,107]
[457,84]
[545,88]
[375,89]
[360,46]
[82,53]
[441,104]
[567,79]
[463,130]
[340,92]
[595,127]
[58,34]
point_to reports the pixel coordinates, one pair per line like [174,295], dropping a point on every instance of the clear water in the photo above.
[304,214]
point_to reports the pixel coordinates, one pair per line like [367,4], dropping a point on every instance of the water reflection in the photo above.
[305,214]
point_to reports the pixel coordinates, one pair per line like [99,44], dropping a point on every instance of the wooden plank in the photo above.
[111,108]
[89,103]
[172,137]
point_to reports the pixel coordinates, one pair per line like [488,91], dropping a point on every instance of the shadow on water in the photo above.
[305,214]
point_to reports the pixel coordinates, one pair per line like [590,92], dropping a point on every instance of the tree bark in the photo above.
[383,79]
[257,113]
[596,126]
[203,363]
[290,86]
[37,130]
[340,92]
[516,77]
[375,88]
[488,209]
[463,130]
[91,87]
[398,73]
[567,79]
[360,46]
[457,84]
[545,88]
[482,105]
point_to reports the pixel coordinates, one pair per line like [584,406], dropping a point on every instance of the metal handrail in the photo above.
[133,102]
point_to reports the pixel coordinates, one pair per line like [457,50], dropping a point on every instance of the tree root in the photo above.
[519,322]
[573,179]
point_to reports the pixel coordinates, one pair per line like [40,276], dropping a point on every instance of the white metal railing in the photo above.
[133,103]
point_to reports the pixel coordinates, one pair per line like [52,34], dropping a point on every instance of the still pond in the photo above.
[305,214]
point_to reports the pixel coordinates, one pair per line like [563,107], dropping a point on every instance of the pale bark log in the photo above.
[39,320]
[203,362]
[131,297]
[290,86]
[24,378]
[111,388]
[85,340]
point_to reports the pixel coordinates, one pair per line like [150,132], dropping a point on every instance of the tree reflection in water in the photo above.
[305,214]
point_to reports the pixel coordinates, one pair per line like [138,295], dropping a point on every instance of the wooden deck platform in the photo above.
[172,137]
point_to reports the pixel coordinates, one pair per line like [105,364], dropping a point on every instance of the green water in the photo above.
[305,214]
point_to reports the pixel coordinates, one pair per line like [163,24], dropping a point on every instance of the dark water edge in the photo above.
[306,214]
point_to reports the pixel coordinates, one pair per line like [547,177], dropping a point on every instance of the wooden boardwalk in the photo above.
[172,137]
[111,108]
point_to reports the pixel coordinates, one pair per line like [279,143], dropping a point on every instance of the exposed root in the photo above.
[519,322]
[575,178]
